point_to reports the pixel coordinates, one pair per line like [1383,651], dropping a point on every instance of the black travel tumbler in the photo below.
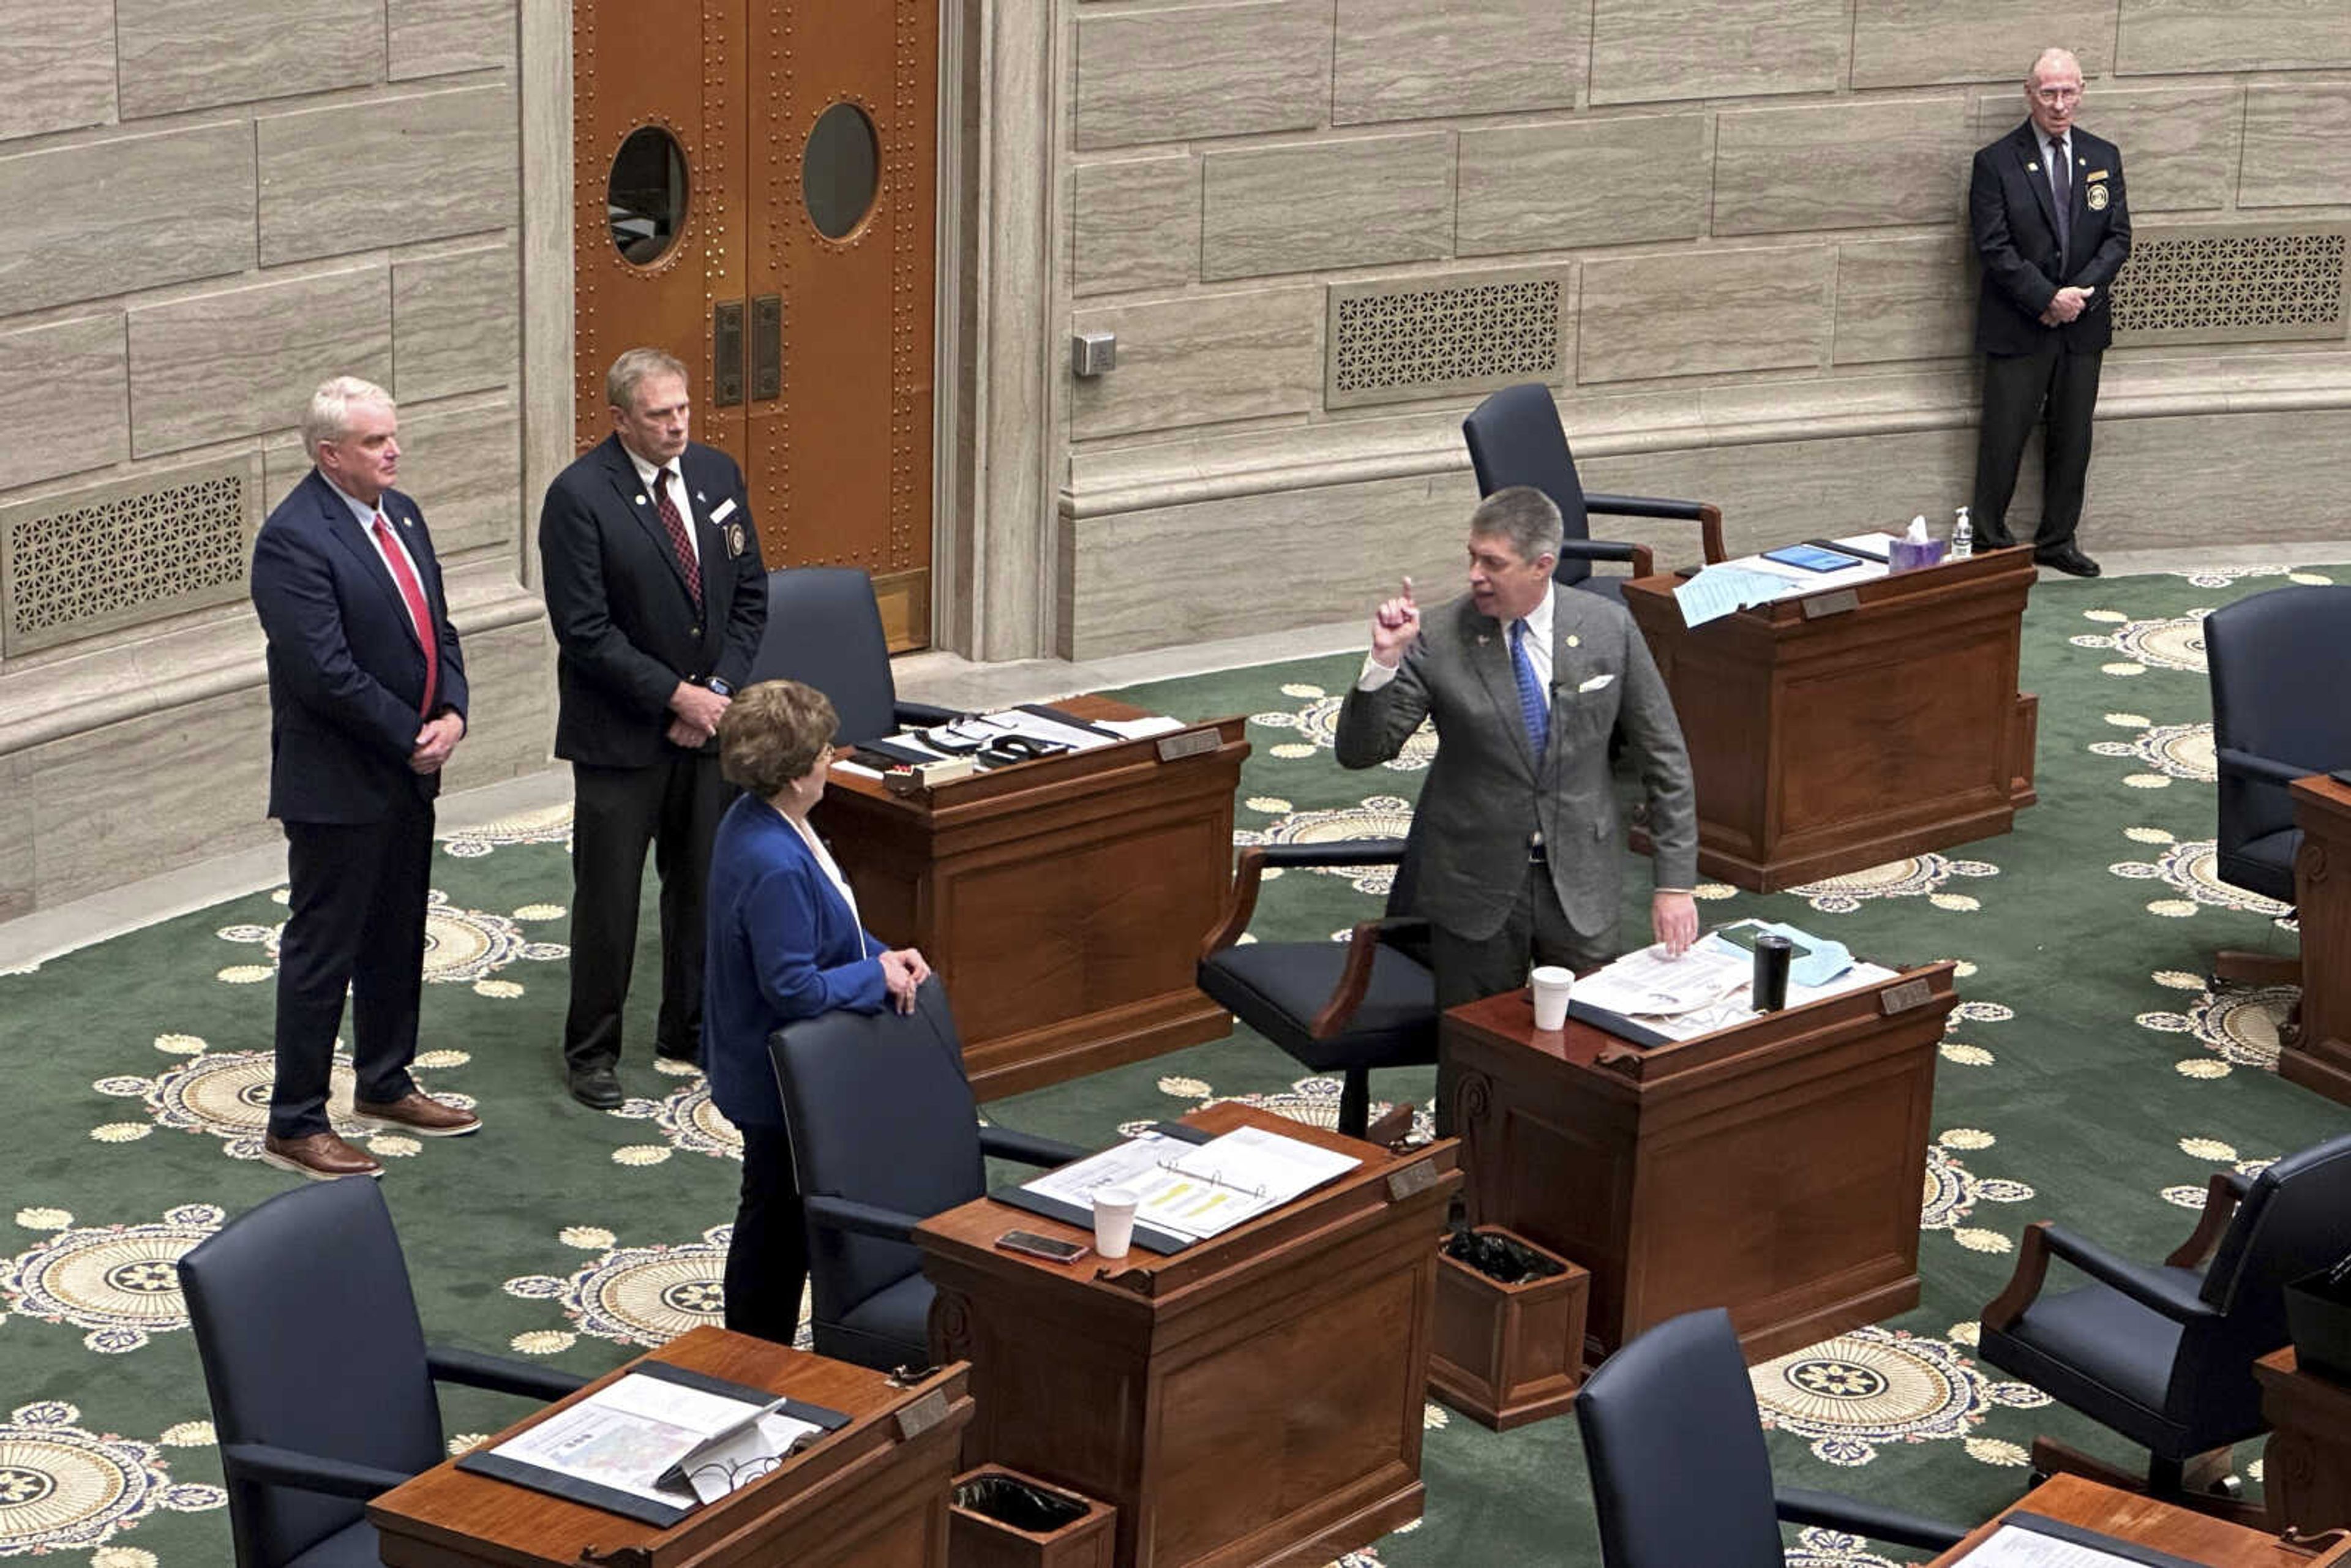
[1772,956]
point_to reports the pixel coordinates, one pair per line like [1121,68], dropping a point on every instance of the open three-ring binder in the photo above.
[1188,1185]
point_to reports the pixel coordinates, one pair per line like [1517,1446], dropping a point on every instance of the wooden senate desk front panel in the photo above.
[1251,1402]
[1773,1168]
[1062,902]
[2150,1522]
[872,1495]
[2320,1056]
[1852,728]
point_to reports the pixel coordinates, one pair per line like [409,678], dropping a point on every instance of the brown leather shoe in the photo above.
[419,1112]
[322,1156]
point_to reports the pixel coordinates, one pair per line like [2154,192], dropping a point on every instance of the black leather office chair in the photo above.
[1344,1007]
[1515,438]
[1680,1476]
[321,1382]
[884,1135]
[824,629]
[2165,1356]
[2280,663]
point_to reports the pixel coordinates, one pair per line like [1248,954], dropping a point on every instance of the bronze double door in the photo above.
[755,192]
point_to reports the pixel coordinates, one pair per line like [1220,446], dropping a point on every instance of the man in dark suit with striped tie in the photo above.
[367,700]
[658,598]
[2046,207]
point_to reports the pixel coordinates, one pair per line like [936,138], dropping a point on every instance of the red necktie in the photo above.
[686,561]
[420,615]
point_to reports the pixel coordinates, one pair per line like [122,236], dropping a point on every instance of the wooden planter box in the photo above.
[1507,1354]
[976,1540]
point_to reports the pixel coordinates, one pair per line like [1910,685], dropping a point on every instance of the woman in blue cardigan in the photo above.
[784,944]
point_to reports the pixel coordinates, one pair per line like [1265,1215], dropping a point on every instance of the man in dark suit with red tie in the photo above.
[658,598]
[2046,207]
[367,699]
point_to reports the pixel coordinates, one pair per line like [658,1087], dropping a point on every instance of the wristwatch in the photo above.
[719,686]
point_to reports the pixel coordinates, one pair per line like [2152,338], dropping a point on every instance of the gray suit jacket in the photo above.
[1487,792]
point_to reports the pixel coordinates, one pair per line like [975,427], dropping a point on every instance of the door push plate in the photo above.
[767,346]
[726,354]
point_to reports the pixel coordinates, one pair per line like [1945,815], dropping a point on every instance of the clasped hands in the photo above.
[696,711]
[435,742]
[903,972]
[2065,306]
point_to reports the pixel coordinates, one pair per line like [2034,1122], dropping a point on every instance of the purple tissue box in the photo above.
[1907,557]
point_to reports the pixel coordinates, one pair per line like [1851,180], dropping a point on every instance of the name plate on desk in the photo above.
[1415,1178]
[1901,998]
[921,1415]
[1836,603]
[1191,743]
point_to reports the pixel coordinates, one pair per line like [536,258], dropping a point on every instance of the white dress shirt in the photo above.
[677,496]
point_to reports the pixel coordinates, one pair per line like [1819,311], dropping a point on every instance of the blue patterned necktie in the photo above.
[1533,707]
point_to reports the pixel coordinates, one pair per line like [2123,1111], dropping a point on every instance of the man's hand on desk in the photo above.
[1673,916]
[1395,624]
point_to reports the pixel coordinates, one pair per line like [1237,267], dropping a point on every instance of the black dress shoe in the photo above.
[597,1088]
[2067,560]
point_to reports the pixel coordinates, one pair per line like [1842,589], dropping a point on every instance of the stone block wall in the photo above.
[213,205]
[1753,212]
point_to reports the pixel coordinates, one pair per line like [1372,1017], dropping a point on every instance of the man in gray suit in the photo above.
[1519,855]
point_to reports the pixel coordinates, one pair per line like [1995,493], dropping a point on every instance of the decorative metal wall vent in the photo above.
[1427,337]
[94,560]
[2242,284]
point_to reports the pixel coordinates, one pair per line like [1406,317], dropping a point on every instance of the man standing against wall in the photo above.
[2046,207]
[367,699]
[654,586]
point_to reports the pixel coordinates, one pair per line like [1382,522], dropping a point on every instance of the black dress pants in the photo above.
[673,806]
[2059,391]
[767,1261]
[355,920]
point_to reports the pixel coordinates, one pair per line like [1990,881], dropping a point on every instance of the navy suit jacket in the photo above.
[783,946]
[346,670]
[626,630]
[2012,219]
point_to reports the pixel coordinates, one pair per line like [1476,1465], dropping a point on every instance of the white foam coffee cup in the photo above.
[1551,986]
[1113,1220]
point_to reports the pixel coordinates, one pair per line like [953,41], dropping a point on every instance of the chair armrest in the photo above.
[1705,514]
[1248,875]
[1645,564]
[2261,768]
[1797,1505]
[2221,1196]
[1004,1144]
[499,1374]
[269,1465]
[2044,1240]
[1363,944]
[859,1218]
[912,714]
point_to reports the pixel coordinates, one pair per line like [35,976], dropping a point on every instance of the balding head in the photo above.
[2052,91]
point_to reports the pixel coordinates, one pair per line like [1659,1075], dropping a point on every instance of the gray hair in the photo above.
[329,417]
[2050,59]
[1523,518]
[632,368]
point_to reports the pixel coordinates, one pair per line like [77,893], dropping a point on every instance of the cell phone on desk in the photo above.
[1051,1250]
[1811,558]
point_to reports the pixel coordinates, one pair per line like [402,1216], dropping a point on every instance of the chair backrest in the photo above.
[1515,438]
[2280,662]
[2295,1221]
[880,1111]
[1679,1473]
[824,629]
[310,1339]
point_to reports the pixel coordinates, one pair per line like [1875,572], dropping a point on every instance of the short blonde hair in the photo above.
[773,733]
[631,369]
[329,417]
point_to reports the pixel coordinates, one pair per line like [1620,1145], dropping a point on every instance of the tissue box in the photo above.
[1907,557]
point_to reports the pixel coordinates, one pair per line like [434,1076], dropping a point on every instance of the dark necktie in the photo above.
[1533,707]
[671,520]
[2061,186]
[419,614]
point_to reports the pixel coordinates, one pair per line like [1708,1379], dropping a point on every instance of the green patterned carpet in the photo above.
[2088,1073]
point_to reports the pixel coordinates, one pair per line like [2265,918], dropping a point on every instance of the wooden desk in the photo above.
[2307,1468]
[866,1497]
[1061,901]
[2319,1057]
[1850,728]
[1773,1168]
[2145,1522]
[1252,1401]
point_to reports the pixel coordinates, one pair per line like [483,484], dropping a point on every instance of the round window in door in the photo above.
[646,195]
[839,170]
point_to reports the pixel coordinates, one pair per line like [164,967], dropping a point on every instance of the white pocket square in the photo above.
[1595,683]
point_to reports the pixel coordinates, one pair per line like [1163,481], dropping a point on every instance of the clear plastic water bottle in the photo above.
[1963,537]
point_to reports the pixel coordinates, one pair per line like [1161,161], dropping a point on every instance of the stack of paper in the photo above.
[626,1434]
[1199,1190]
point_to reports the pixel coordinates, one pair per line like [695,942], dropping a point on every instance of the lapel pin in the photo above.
[1482,639]
[1574,640]
[701,497]
[640,500]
